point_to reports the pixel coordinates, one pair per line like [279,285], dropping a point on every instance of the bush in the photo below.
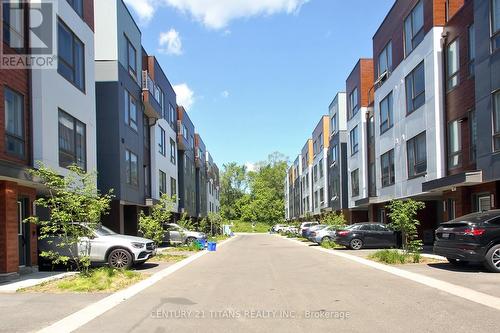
[334,219]
[241,226]
[393,257]
[151,226]
[330,245]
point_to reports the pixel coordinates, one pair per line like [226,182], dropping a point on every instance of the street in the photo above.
[264,283]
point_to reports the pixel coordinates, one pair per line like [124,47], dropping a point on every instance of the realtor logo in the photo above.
[28,34]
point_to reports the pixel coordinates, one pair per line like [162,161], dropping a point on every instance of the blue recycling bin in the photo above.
[202,243]
[212,246]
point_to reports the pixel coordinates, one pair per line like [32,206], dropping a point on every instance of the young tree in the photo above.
[402,214]
[215,222]
[151,226]
[75,209]
[336,220]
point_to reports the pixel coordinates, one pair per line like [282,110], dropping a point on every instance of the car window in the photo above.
[367,227]
[353,227]
[495,221]
[103,231]
[378,227]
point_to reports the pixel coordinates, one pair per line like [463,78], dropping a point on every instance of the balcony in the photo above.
[181,136]
[151,97]
[198,157]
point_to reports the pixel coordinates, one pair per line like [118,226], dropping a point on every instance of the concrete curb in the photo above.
[15,286]
[92,311]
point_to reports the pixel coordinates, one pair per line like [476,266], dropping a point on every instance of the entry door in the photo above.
[23,233]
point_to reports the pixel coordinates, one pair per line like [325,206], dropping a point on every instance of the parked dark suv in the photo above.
[471,238]
[362,235]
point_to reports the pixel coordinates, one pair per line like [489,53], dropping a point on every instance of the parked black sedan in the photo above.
[471,238]
[363,235]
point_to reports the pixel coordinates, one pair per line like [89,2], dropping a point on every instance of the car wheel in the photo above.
[190,240]
[120,259]
[492,260]
[356,244]
[326,239]
[457,262]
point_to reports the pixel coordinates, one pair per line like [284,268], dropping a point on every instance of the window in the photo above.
[417,156]
[484,203]
[162,146]
[14,123]
[316,199]
[131,59]
[172,116]
[354,140]
[161,101]
[145,128]
[320,169]
[77,6]
[13,24]
[315,173]
[496,121]
[495,24]
[414,28]
[321,197]
[387,166]
[163,182]
[471,37]
[146,180]
[386,115]
[355,183]
[172,151]
[334,123]
[334,154]
[385,60]
[72,141]
[372,181]
[415,88]
[71,56]
[452,62]
[454,144]
[353,103]
[131,168]
[473,135]
[184,132]
[130,111]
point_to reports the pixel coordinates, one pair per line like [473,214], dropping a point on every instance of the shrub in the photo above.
[151,226]
[403,215]
[393,257]
[334,219]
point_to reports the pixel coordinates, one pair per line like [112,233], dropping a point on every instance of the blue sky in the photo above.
[261,72]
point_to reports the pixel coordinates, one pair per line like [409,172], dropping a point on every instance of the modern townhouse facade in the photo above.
[186,163]
[472,110]
[321,142]
[201,176]
[307,156]
[213,185]
[298,209]
[123,130]
[287,195]
[360,168]
[160,133]
[337,156]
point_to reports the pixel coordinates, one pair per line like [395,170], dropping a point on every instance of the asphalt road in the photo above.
[264,283]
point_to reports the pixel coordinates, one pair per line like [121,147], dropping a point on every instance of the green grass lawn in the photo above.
[168,257]
[100,280]
[240,226]
[394,257]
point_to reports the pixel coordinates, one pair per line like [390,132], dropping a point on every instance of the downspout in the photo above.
[444,39]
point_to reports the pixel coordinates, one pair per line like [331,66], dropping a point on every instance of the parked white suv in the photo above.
[104,245]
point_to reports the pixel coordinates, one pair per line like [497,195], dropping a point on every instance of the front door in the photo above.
[23,232]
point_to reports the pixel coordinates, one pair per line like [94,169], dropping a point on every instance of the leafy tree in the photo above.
[72,201]
[334,219]
[402,214]
[233,186]
[186,222]
[151,226]
[215,220]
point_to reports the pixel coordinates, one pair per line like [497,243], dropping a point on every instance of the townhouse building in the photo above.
[297,191]
[321,142]
[123,123]
[290,181]
[201,177]
[287,196]
[360,166]
[160,133]
[307,156]
[213,185]
[186,163]
[337,156]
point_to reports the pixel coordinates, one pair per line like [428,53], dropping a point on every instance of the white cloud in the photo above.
[144,8]
[217,14]
[185,96]
[170,42]
[251,166]
[225,94]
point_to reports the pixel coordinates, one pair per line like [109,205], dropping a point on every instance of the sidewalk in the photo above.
[30,280]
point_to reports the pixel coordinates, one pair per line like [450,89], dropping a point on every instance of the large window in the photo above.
[14,123]
[415,88]
[473,134]
[162,145]
[131,168]
[386,115]
[387,167]
[172,116]
[334,123]
[173,187]
[130,111]
[496,120]
[452,64]
[321,174]
[315,173]
[353,103]
[471,37]
[77,6]
[172,151]
[334,153]
[495,24]
[385,59]
[414,28]
[131,59]
[354,140]
[13,24]
[71,56]
[417,156]
[163,182]
[72,141]
[355,183]
[454,144]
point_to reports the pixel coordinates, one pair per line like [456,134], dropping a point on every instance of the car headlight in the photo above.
[138,245]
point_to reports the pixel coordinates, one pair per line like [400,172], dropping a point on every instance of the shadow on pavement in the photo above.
[471,268]
[145,266]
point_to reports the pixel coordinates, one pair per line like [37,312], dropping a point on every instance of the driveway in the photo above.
[265,283]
